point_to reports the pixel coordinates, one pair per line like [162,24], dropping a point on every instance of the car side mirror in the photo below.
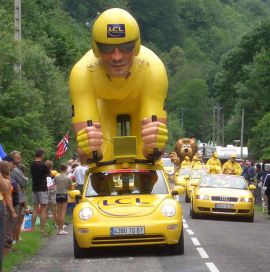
[252,187]
[76,194]
[178,190]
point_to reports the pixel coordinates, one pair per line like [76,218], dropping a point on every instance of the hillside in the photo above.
[195,39]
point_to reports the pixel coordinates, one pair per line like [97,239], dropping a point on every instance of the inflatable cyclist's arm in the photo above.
[153,103]
[82,96]
[84,107]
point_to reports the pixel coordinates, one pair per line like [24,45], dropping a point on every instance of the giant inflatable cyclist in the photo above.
[118,77]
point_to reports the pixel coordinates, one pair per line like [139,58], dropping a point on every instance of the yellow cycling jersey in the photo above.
[214,165]
[230,167]
[97,97]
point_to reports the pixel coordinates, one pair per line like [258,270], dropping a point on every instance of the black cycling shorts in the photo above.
[61,198]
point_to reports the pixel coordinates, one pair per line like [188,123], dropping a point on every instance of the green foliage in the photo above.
[175,59]
[63,38]
[159,22]
[244,82]
[200,42]
[175,130]
[86,11]
[30,244]
[34,102]
[261,136]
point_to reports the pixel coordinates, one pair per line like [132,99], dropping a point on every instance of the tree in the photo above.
[159,22]
[259,143]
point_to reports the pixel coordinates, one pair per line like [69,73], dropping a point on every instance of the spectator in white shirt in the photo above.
[79,174]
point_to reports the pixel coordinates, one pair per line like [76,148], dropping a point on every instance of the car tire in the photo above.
[78,251]
[192,214]
[187,200]
[250,219]
[177,249]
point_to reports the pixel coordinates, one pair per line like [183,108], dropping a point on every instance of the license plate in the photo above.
[127,230]
[224,206]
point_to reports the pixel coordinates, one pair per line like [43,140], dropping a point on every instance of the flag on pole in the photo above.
[2,152]
[62,147]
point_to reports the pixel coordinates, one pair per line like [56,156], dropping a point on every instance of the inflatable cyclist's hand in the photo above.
[90,139]
[154,136]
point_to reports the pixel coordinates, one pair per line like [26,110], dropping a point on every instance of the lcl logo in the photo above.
[116,31]
[124,201]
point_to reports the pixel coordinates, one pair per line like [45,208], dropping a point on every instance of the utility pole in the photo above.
[17,31]
[214,125]
[242,132]
[223,142]
[218,125]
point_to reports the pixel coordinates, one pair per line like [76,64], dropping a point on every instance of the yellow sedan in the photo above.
[194,177]
[127,204]
[168,166]
[182,176]
[227,195]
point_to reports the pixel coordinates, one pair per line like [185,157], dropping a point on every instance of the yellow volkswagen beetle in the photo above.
[227,195]
[127,204]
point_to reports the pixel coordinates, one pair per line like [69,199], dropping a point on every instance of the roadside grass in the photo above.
[259,209]
[29,245]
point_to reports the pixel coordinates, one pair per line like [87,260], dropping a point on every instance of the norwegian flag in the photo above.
[62,147]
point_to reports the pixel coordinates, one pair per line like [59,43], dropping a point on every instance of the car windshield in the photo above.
[184,172]
[167,162]
[197,173]
[126,182]
[224,181]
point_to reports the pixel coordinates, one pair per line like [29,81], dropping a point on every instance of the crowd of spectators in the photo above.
[49,195]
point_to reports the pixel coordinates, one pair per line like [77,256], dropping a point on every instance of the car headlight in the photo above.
[168,210]
[245,199]
[85,213]
[202,197]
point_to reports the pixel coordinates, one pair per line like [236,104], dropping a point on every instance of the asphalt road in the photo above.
[210,245]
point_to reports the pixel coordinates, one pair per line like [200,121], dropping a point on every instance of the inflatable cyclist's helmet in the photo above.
[115,26]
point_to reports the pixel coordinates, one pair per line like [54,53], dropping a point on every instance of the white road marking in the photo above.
[202,252]
[195,241]
[212,267]
[190,232]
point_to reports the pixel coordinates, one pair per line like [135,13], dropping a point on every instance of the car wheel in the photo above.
[192,214]
[177,249]
[78,251]
[250,219]
[187,200]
